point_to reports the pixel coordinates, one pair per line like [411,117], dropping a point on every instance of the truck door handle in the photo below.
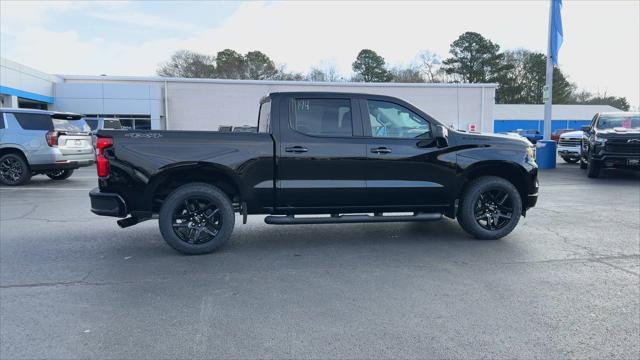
[296,149]
[381,150]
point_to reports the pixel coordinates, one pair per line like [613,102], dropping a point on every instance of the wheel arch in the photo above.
[12,149]
[170,178]
[510,171]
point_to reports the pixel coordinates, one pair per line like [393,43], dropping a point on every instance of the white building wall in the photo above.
[29,83]
[195,106]
[110,98]
[205,104]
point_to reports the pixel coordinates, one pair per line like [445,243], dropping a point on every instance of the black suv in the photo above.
[612,141]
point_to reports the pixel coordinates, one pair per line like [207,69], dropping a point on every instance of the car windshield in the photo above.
[619,121]
[77,126]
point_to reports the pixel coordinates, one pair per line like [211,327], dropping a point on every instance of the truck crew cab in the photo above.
[341,157]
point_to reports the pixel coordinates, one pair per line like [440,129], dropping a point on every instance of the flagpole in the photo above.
[548,90]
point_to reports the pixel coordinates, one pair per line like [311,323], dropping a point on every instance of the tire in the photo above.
[583,164]
[14,170]
[570,160]
[491,188]
[59,174]
[196,218]
[593,169]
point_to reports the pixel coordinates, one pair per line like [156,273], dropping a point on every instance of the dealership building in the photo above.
[212,104]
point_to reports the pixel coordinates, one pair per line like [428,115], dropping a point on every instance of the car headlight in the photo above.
[599,140]
[531,153]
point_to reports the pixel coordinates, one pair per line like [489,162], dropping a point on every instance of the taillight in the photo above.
[52,138]
[102,163]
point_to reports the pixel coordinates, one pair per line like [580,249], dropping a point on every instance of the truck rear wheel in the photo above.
[570,160]
[59,174]
[196,218]
[14,170]
[490,208]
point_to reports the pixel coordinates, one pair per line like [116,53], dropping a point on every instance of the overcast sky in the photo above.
[601,50]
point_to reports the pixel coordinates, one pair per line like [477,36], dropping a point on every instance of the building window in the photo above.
[128,121]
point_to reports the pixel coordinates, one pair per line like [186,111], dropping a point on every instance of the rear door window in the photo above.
[34,121]
[322,117]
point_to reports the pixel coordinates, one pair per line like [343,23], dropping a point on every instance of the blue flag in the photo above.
[555,37]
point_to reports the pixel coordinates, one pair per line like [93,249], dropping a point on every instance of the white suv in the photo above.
[42,142]
[569,146]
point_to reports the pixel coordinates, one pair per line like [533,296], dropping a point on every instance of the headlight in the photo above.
[531,153]
[599,140]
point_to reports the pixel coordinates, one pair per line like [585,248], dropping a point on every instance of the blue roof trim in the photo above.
[25,94]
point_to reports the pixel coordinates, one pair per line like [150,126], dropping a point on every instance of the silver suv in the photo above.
[42,142]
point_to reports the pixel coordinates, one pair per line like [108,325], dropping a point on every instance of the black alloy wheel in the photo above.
[196,218]
[60,174]
[14,170]
[493,209]
[197,221]
[490,208]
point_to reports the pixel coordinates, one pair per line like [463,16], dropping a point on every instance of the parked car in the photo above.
[569,146]
[532,135]
[245,128]
[42,142]
[612,140]
[555,136]
[103,124]
[354,157]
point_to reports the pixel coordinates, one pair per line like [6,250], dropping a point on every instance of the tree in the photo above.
[587,98]
[188,64]
[283,74]
[230,65]
[524,80]
[316,74]
[406,75]
[430,66]
[370,67]
[259,66]
[475,59]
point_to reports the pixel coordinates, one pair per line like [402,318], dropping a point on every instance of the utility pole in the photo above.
[547,93]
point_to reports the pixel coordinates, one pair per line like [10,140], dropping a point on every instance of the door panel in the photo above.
[320,162]
[406,175]
[405,166]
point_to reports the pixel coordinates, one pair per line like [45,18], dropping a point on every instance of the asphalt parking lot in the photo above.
[565,283]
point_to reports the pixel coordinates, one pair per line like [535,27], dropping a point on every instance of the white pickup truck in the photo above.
[569,146]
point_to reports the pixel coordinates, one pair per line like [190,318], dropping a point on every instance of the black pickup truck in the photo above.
[612,140]
[316,158]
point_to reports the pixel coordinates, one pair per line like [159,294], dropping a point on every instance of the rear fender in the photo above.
[193,171]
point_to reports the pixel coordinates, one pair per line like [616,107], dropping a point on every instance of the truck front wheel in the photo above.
[490,208]
[593,168]
[196,218]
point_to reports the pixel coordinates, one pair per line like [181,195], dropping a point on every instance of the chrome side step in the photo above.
[335,219]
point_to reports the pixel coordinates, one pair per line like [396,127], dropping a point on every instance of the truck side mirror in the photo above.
[442,136]
[586,128]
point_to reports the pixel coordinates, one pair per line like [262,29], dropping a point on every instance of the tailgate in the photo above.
[75,144]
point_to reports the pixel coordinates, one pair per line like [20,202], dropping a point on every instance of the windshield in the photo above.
[76,126]
[619,121]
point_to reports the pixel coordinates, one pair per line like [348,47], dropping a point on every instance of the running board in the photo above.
[344,219]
